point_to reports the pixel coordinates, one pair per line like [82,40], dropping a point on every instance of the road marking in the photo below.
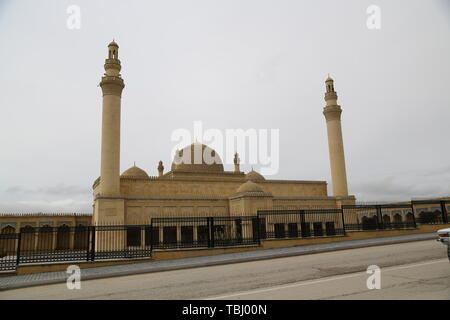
[333,278]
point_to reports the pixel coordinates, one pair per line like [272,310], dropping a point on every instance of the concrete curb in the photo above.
[16,282]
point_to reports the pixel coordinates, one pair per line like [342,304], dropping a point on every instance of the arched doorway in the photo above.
[63,237]
[387,221]
[7,241]
[27,239]
[397,218]
[410,217]
[369,223]
[80,237]
[45,238]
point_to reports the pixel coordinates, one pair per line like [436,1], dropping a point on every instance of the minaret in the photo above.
[236,163]
[160,169]
[112,85]
[332,112]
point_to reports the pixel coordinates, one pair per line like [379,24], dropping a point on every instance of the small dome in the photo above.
[113,44]
[254,176]
[329,79]
[134,172]
[249,186]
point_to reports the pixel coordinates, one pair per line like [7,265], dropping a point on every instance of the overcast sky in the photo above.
[230,64]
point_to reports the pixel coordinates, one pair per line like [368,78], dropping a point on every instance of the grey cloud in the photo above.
[57,190]
[390,188]
[47,206]
[237,64]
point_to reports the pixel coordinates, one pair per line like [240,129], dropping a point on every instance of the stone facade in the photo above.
[194,191]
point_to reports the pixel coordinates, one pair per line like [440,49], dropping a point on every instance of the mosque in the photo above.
[197,189]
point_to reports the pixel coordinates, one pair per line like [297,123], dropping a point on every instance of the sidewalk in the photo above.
[21,281]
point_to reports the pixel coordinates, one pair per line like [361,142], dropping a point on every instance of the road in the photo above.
[416,270]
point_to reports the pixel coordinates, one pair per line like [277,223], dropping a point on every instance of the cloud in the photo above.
[438,172]
[400,188]
[52,206]
[59,189]
[56,198]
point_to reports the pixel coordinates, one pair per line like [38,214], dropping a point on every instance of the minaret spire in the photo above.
[332,113]
[237,162]
[112,86]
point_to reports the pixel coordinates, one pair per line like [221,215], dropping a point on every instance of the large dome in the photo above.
[134,172]
[254,176]
[197,158]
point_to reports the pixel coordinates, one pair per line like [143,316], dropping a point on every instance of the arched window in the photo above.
[7,240]
[81,237]
[45,238]
[387,221]
[27,239]
[369,223]
[63,237]
[8,230]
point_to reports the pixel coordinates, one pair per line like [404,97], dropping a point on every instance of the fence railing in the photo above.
[378,217]
[431,211]
[75,244]
[93,243]
[209,232]
[8,249]
[280,224]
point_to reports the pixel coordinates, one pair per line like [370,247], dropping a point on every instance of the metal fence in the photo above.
[75,244]
[208,232]
[280,224]
[93,243]
[8,248]
[378,217]
[431,211]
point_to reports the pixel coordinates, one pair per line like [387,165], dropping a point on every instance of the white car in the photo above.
[444,237]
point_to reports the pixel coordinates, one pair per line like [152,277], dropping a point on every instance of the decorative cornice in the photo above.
[251,195]
[332,95]
[305,198]
[42,214]
[162,198]
[332,112]
[112,85]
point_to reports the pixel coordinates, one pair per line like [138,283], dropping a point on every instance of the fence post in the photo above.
[93,243]
[302,223]
[343,220]
[151,237]
[258,229]
[414,220]
[413,214]
[380,224]
[444,212]
[19,240]
[88,239]
[212,231]
[208,223]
